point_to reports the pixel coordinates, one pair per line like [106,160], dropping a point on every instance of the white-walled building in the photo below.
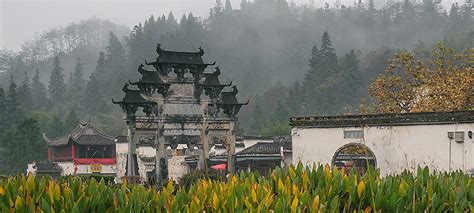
[442,141]
[83,152]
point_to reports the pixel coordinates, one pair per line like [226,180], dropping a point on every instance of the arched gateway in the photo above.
[354,155]
[183,104]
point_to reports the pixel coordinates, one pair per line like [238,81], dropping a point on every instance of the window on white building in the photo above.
[351,134]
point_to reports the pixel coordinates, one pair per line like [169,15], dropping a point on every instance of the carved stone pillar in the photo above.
[132,149]
[231,148]
[205,144]
[160,153]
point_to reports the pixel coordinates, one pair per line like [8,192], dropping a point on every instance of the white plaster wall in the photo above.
[121,164]
[121,148]
[68,168]
[395,147]
[177,167]
[86,169]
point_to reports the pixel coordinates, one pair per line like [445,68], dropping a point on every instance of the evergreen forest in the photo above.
[286,59]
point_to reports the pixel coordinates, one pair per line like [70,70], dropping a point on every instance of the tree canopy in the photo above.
[444,82]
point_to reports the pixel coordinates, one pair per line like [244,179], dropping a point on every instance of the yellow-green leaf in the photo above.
[361,189]
[294,205]
[30,182]
[19,203]
[327,171]
[215,201]
[403,188]
[316,203]
[254,195]
[292,173]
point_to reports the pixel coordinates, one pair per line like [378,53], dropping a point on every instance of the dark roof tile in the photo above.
[261,148]
[391,119]
[174,57]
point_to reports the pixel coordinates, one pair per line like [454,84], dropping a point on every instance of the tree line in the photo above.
[287,59]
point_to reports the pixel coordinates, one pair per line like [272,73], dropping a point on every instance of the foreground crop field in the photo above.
[297,189]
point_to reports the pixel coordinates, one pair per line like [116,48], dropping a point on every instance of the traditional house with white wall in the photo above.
[84,151]
[391,142]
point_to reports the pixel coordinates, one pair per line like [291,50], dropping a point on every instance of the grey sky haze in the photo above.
[21,20]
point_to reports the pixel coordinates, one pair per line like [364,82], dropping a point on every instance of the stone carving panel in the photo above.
[182,90]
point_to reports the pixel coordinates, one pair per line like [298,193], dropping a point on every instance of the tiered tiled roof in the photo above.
[177,57]
[83,134]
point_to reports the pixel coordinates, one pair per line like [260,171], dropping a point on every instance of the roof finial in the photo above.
[158,48]
[218,70]
[235,90]
[125,88]
[140,68]
[201,51]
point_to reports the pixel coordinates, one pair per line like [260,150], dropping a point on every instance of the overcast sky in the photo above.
[20,20]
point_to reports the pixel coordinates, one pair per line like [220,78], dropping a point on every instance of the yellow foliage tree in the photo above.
[444,83]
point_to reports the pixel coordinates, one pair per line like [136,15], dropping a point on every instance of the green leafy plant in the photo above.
[296,189]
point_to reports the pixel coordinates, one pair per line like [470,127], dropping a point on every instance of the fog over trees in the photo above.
[286,59]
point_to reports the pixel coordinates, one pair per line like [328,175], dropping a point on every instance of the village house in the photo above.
[441,141]
[84,151]
[254,153]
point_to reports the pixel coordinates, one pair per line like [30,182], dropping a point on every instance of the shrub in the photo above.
[296,189]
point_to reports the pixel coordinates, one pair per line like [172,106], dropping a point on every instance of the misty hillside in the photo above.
[268,48]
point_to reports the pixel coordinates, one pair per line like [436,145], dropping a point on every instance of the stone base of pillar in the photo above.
[134,179]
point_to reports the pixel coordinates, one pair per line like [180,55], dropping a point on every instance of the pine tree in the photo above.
[12,96]
[24,93]
[183,22]
[257,119]
[57,88]
[3,100]
[71,121]
[115,64]
[351,70]
[322,78]
[171,22]
[323,63]
[24,144]
[100,70]
[17,67]
[281,113]
[77,82]
[311,75]
[328,56]
[351,79]
[3,109]
[12,113]
[55,126]
[93,97]
[295,99]
[38,91]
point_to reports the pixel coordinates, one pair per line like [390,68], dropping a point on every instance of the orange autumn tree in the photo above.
[445,82]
